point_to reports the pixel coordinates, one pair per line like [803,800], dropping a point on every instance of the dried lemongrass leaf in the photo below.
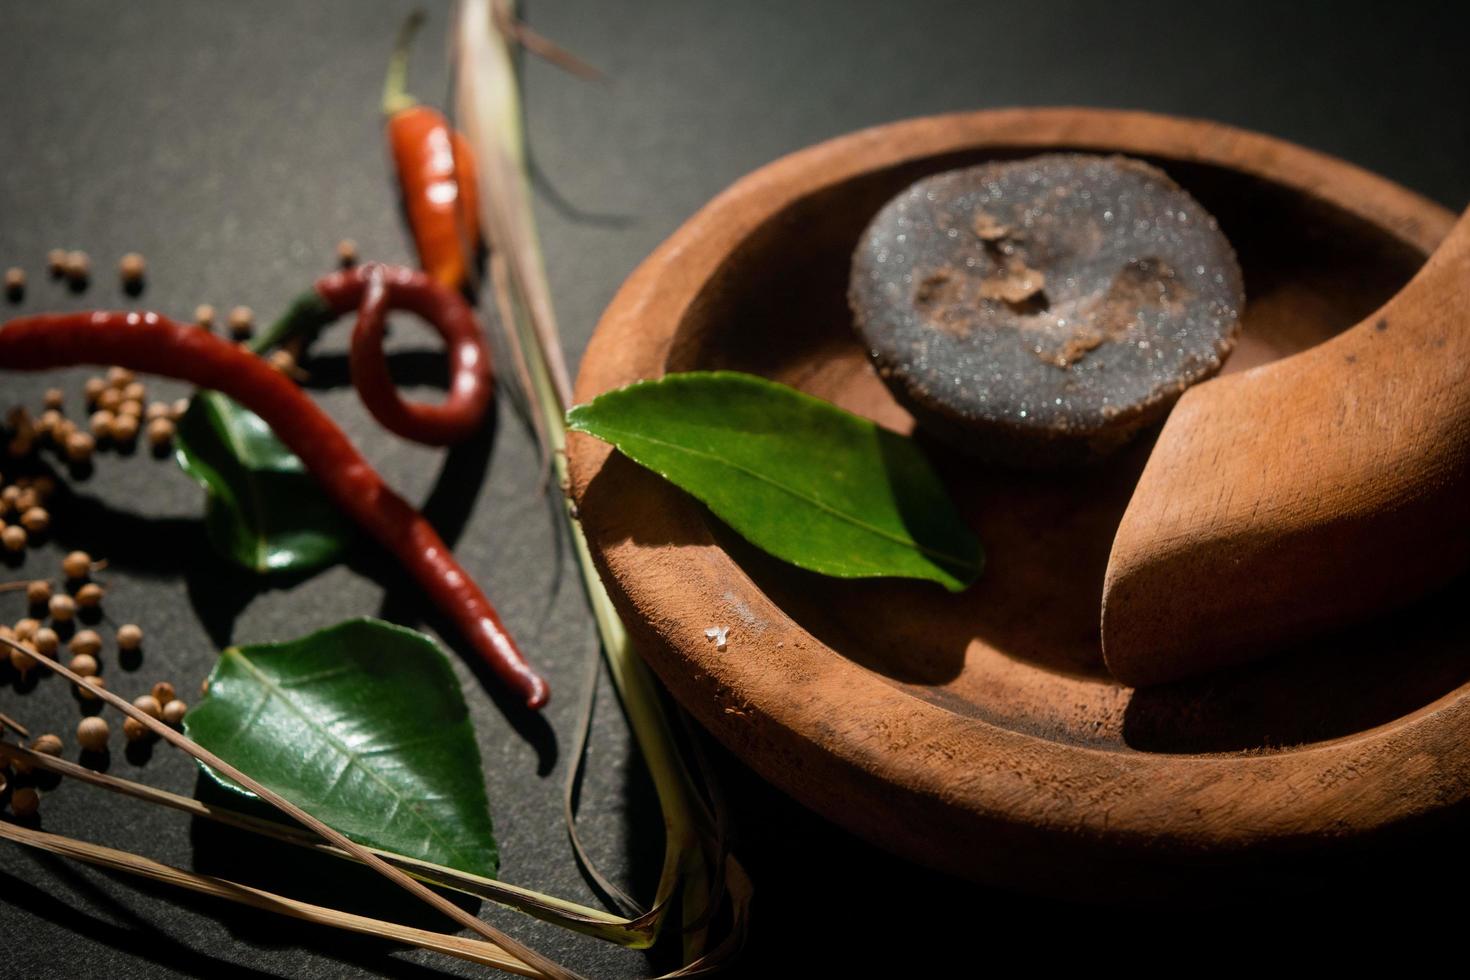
[474,950]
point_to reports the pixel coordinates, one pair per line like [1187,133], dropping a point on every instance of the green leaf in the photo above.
[798,477]
[264,510]
[363,726]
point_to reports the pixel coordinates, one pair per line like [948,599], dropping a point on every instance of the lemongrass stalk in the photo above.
[634,934]
[475,950]
[489,113]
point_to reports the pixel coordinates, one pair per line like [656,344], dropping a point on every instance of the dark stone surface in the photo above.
[233,144]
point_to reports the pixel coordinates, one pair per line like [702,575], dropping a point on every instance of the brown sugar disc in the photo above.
[1040,312]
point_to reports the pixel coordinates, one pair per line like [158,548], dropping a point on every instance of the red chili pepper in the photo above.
[397,288]
[471,385]
[154,344]
[436,172]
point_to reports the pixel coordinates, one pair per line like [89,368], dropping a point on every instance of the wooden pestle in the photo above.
[1303,494]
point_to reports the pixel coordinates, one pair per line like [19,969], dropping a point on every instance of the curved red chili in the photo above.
[154,344]
[397,288]
[471,385]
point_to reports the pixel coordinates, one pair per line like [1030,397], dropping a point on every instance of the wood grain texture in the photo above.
[982,733]
[1305,494]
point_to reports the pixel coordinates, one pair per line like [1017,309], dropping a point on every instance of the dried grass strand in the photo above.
[474,950]
[556,911]
[540,45]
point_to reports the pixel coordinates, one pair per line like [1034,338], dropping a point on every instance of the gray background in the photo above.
[234,144]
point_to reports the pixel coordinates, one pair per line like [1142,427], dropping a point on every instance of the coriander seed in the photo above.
[38,593]
[163,691]
[77,565]
[204,316]
[21,659]
[48,744]
[174,711]
[135,391]
[129,638]
[46,424]
[131,268]
[283,361]
[78,268]
[347,253]
[55,398]
[35,520]
[24,802]
[56,262]
[160,433]
[79,447]
[149,705]
[87,642]
[89,596]
[242,322]
[157,410]
[15,282]
[84,664]
[14,538]
[92,733]
[124,430]
[101,423]
[63,608]
[134,730]
[86,691]
[25,629]
[46,641]
[120,377]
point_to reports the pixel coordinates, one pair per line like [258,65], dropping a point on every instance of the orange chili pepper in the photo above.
[436,174]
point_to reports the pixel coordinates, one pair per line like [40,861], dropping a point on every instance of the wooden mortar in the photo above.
[981,733]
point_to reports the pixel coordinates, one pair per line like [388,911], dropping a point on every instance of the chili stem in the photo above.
[395,86]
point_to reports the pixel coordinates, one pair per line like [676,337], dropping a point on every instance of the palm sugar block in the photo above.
[1041,312]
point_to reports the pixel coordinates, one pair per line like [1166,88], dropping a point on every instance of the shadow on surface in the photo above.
[1330,687]
[135,935]
[409,368]
[301,873]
